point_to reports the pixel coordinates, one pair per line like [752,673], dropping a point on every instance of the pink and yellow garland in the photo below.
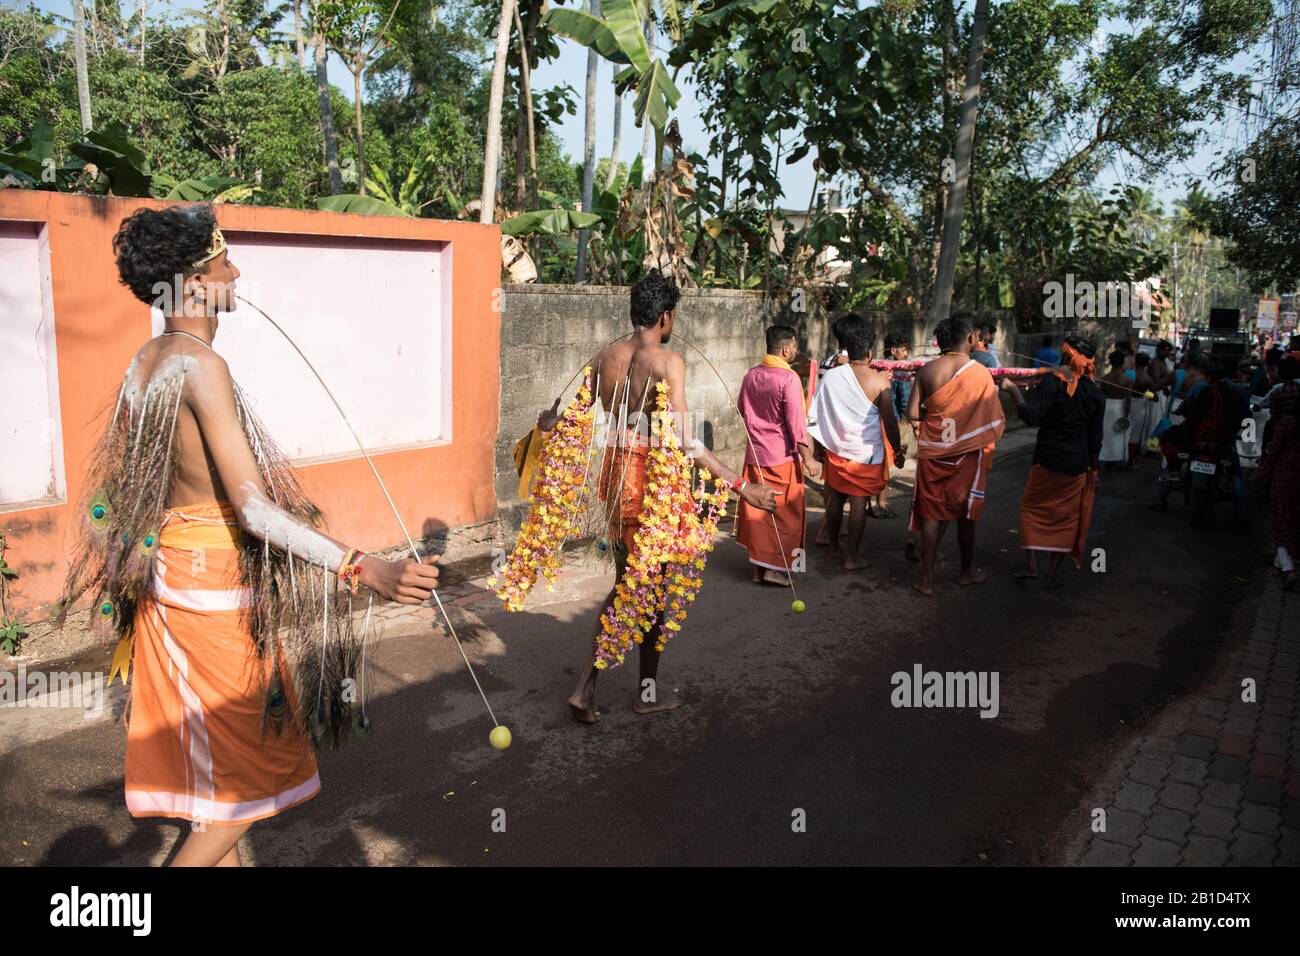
[558,503]
[677,528]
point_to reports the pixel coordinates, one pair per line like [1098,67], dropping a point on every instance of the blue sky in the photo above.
[571,66]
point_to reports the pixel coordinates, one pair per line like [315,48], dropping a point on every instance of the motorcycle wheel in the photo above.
[1199,499]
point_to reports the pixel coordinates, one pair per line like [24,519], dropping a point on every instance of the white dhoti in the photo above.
[1143,416]
[1114,442]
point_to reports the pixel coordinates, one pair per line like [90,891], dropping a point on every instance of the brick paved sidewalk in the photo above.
[1215,780]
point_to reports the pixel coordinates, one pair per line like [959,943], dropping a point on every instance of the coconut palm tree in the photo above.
[588,148]
[79,52]
[492,147]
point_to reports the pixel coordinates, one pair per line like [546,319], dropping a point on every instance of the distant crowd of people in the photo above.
[851,424]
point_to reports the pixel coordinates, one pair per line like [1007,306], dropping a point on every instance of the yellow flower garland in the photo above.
[677,527]
[558,503]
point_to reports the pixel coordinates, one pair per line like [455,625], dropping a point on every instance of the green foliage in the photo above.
[1259,210]
[617,35]
[363,205]
[12,631]
[548,222]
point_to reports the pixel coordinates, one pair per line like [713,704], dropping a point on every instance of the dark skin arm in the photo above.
[885,405]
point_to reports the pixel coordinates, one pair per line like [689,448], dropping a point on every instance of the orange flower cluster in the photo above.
[557,503]
[677,527]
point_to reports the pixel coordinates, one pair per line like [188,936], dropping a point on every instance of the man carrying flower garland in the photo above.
[629,372]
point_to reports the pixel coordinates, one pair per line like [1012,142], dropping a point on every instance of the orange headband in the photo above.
[1075,366]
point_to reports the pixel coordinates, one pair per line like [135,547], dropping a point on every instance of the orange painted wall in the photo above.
[99,326]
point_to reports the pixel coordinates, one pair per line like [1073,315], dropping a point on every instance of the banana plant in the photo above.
[549,222]
[414,187]
[619,36]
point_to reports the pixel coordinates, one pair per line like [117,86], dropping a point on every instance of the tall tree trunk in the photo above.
[942,298]
[142,13]
[361,135]
[649,161]
[527,125]
[327,116]
[79,52]
[492,148]
[722,200]
[588,150]
[612,174]
[297,35]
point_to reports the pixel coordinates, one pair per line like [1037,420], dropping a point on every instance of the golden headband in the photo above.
[218,246]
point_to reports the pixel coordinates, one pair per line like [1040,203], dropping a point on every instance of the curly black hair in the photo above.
[654,295]
[155,246]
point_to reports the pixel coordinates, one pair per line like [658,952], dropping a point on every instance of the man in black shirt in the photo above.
[1056,509]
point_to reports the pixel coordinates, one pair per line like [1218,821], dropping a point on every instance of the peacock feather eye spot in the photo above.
[106,609]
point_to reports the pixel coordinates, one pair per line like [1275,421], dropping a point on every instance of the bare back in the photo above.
[196,478]
[937,373]
[627,372]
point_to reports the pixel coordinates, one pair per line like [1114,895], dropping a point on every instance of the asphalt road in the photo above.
[783,713]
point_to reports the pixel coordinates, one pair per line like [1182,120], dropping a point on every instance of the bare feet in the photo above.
[663,702]
[583,709]
[779,578]
[921,586]
[974,576]
[854,564]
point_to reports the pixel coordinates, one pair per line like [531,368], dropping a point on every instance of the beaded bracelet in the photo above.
[350,569]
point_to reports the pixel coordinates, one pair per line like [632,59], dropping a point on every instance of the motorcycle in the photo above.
[1207,476]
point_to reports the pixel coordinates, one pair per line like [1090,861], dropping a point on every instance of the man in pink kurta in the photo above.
[772,406]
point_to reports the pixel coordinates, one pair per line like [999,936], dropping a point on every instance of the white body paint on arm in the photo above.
[267,521]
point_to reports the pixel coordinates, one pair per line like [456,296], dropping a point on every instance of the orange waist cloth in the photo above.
[1055,512]
[855,478]
[963,415]
[773,539]
[949,488]
[195,746]
[622,486]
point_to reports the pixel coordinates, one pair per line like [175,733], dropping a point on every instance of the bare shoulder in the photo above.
[876,383]
[673,361]
[207,373]
[929,374]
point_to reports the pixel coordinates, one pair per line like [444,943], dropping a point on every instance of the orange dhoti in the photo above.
[195,746]
[772,539]
[950,488]
[622,487]
[1055,512]
[855,478]
[962,423]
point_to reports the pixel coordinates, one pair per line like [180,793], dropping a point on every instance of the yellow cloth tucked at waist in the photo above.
[208,524]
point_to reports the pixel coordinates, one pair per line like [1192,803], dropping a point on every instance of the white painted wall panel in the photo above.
[31,452]
[373,316]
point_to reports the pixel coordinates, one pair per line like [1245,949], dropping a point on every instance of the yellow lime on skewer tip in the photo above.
[797,606]
[1149,396]
[500,737]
